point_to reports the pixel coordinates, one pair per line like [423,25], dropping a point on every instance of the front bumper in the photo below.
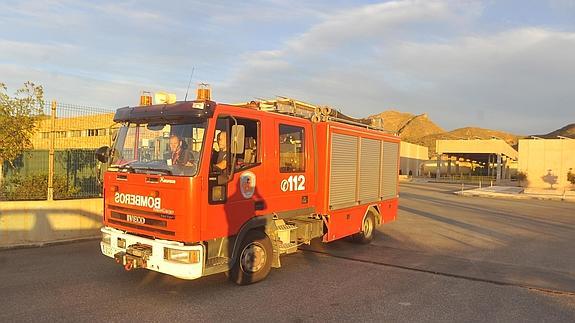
[155,261]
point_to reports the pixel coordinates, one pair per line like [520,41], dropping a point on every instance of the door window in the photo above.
[292,151]
[222,158]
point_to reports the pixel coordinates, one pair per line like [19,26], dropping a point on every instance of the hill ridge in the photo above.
[421,130]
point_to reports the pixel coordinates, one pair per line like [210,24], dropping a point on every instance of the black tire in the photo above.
[367,232]
[254,259]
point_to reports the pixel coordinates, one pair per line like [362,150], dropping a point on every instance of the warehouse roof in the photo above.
[476,149]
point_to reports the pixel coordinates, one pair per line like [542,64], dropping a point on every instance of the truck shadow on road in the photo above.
[491,244]
[476,229]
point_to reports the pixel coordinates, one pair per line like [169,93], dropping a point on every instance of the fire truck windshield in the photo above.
[172,149]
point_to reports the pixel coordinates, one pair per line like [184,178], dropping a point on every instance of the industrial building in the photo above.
[490,157]
[91,131]
[546,162]
[412,157]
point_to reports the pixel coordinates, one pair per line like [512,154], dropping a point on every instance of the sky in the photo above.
[507,65]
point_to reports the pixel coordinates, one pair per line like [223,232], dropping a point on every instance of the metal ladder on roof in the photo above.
[315,113]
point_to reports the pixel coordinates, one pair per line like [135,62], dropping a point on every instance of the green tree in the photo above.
[18,114]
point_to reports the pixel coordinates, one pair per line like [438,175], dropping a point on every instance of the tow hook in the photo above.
[136,256]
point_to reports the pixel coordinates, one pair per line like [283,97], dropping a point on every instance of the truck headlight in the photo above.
[106,238]
[183,256]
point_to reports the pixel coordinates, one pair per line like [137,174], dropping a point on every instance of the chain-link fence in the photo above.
[61,163]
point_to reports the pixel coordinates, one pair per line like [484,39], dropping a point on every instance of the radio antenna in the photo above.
[189,83]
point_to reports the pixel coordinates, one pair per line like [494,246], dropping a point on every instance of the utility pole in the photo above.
[51,153]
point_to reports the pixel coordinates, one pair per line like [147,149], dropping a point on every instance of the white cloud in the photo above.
[563,4]
[365,22]
[128,11]
[501,80]
[335,34]
[37,52]
[519,79]
[265,11]
[79,90]
[437,56]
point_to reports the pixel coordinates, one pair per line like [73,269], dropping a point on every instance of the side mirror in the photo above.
[102,154]
[237,139]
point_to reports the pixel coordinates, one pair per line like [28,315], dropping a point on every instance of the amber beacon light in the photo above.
[146,98]
[204,92]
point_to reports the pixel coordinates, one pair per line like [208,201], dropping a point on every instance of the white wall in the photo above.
[37,222]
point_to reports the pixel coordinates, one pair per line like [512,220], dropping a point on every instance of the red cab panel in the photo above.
[152,205]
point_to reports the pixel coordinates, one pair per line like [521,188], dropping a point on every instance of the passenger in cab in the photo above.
[219,158]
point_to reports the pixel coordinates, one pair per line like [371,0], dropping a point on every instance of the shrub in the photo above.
[34,187]
[521,176]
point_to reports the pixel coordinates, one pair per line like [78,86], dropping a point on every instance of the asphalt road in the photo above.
[447,258]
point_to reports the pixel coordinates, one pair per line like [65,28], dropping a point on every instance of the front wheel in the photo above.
[254,260]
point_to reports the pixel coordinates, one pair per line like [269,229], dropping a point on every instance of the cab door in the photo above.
[232,203]
[290,175]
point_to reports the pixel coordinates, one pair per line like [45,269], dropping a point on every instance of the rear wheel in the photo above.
[254,260]
[367,232]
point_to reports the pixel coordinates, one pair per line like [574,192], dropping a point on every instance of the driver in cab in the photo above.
[180,155]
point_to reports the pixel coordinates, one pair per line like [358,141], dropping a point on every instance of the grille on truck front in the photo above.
[141,220]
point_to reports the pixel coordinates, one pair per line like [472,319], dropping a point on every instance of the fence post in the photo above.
[51,153]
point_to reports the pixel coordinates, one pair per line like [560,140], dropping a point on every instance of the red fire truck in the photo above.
[197,188]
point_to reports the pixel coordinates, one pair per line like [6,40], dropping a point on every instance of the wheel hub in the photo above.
[253,257]
[367,227]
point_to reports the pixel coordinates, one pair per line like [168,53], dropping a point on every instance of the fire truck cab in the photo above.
[198,188]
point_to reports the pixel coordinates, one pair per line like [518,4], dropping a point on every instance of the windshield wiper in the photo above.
[159,170]
[125,167]
[131,169]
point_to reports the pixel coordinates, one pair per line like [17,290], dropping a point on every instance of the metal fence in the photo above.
[476,180]
[61,163]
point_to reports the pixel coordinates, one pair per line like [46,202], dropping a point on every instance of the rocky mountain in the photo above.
[481,133]
[419,129]
[567,131]
[407,125]
[469,133]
